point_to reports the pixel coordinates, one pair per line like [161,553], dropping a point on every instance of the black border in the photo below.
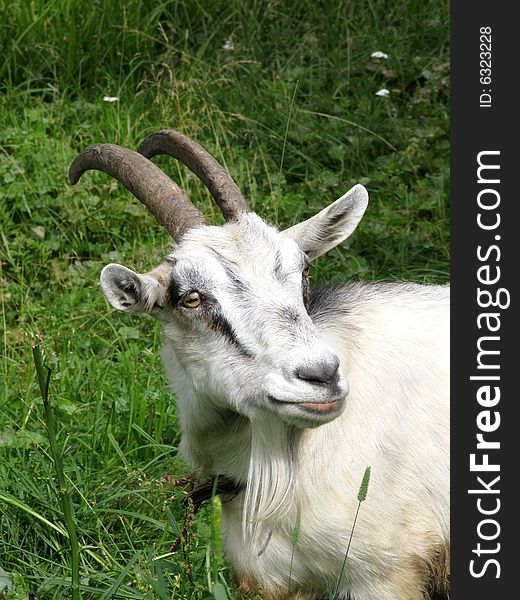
[476,129]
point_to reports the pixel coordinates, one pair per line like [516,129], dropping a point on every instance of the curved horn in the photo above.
[218,181]
[161,196]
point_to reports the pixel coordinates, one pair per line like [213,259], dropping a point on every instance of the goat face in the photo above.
[232,300]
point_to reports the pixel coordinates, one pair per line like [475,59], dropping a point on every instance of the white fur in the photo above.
[241,403]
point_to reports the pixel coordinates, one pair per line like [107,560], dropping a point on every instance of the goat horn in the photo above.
[161,196]
[218,181]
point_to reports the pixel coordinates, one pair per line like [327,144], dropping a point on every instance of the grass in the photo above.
[283,93]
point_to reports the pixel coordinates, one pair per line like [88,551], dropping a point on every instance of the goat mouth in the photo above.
[313,407]
[320,407]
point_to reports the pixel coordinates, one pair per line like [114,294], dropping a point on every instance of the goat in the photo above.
[289,393]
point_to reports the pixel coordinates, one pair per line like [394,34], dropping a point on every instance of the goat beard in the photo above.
[270,487]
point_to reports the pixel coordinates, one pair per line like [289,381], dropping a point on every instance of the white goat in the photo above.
[291,394]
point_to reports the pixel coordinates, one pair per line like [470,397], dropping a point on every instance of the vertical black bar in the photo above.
[485,118]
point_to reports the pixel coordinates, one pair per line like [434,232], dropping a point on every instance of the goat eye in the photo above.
[305,272]
[192,300]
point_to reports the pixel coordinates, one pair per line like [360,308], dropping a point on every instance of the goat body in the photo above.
[292,395]
[392,341]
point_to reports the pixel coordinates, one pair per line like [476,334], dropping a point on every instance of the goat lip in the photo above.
[316,407]
[320,407]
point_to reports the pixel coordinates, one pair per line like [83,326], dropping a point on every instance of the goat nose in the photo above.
[324,372]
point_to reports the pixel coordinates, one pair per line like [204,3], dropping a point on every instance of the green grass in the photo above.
[292,112]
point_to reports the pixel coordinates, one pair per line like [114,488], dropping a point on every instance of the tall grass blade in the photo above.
[219,592]
[44,375]
[115,586]
[295,539]
[362,494]
[7,498]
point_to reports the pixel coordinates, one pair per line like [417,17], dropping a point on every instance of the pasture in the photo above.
[285,95]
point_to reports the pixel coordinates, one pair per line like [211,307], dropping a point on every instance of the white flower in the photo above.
[383,92]
[110,99]
[228,45]
[379,54]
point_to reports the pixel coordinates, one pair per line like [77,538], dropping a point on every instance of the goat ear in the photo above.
[332,225]
[131,292]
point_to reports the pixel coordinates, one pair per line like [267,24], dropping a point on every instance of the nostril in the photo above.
[322,373]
